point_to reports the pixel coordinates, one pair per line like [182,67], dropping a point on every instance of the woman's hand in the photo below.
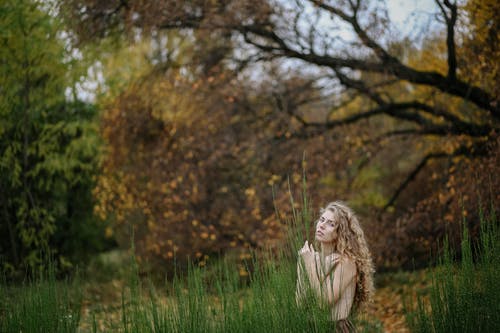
[308,254]
[309,263]
[306,249]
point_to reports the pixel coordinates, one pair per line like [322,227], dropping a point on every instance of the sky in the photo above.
[410,16]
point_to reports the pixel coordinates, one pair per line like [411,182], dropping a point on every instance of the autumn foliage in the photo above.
[179,174]
[255,96]
[191,165]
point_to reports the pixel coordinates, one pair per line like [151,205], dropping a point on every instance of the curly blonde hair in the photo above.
[351,242]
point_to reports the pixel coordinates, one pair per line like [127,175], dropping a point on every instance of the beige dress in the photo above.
[333,280]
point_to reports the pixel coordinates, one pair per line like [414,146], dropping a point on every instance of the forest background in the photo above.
[205,115]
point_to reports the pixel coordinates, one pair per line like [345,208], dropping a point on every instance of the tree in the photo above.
[430,114]
[48,144]
[391,115]
[450,103]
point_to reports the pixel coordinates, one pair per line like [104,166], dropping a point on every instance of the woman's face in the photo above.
[325,229]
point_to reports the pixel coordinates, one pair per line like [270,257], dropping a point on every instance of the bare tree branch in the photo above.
[411,176]
[363,36]
[462,150]
[415,117]
[450,20]
[387,63]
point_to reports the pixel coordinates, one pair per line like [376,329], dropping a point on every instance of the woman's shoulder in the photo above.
[337,258]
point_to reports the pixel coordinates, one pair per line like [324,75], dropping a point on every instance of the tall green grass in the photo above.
[42,305]
[226,304]
[214,298]
[464,296]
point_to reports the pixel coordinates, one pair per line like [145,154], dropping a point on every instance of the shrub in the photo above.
[464,296]
[41,305]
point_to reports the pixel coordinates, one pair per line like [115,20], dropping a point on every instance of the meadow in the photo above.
[458,294]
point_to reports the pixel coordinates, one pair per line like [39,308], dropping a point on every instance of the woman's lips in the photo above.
[319,233]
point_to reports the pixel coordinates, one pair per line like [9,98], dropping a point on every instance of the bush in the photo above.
[42,305]
[464,296]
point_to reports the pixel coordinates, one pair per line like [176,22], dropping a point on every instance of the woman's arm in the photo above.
[309,263]
[338,278]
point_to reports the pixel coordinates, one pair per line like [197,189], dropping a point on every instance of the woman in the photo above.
[341,273]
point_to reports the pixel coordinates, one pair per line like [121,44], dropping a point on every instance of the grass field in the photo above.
[386,314]
[457,295]
[109,298]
